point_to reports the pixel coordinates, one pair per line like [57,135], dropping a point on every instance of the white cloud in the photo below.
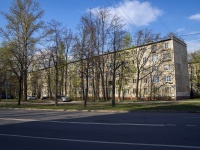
[195,17]
[134,12]
[193,45]
[194,32]
[180,30]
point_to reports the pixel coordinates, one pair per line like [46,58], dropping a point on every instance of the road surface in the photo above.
[53,130]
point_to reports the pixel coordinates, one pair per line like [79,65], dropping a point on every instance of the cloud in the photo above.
[195,17]
[180,30]
[193,45]
[134,12]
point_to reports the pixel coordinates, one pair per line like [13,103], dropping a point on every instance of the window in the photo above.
[144,70]
[145,80]
[167,78]
[134,80]
[167,90]
[125,92]
[153,48]
[155,90]
[155,79]
[154,68]
[144,59]
[167,67]
[154,58]
[125,81]
[165,46]
[117,82]
[143,49]
[134,91]
[166,56]
[145,90]
[109,65]
[135,51]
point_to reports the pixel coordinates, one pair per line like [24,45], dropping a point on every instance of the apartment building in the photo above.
[164,71]
[156,70]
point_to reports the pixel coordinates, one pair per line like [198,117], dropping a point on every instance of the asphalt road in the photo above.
[52,130]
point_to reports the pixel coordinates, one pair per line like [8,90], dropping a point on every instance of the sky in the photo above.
[161,16]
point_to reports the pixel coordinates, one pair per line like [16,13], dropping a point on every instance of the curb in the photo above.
[105,111]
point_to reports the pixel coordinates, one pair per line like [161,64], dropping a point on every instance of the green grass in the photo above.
[182,106]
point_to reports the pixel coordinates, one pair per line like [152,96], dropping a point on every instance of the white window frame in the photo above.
[154,58]
[168,78]
[155,79]
[167,67]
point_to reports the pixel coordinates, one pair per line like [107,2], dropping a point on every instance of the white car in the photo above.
[31,97]
[63,98]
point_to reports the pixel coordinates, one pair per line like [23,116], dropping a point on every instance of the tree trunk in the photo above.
[56,101]
[20,90]
[137,85]
[113,79]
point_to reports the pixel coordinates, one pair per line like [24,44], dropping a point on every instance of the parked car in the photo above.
[63,98]
[31,97]
[8,96]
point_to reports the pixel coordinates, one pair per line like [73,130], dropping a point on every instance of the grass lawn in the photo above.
[191,105]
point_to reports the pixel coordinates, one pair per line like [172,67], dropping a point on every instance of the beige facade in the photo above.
[159,70]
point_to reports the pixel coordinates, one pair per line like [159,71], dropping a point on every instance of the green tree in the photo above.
[127,41]
[23,22]
[194,67]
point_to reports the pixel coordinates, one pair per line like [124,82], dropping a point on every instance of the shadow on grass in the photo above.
[179,106]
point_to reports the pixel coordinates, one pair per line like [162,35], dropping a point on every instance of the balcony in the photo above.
[153,50]
[170,82]
[167,59]
[166,49]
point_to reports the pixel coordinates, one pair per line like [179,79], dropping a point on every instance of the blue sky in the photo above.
[161,16]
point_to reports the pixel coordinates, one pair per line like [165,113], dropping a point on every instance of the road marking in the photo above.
[190,125]
[102,142]
[86,123]
[15,119]
[95,123]
[111,124]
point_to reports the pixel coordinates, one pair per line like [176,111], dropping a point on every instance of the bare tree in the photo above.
[84,51]
[145,36]
[117,36]
[102,17]
[56,44]
[142,55]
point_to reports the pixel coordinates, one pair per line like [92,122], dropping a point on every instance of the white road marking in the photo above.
[89,123]
[102,142]
[190,125]
[111,124]
[94,123]
[16,119]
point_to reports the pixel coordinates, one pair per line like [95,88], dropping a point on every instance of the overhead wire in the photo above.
[159,19]
[132,24]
